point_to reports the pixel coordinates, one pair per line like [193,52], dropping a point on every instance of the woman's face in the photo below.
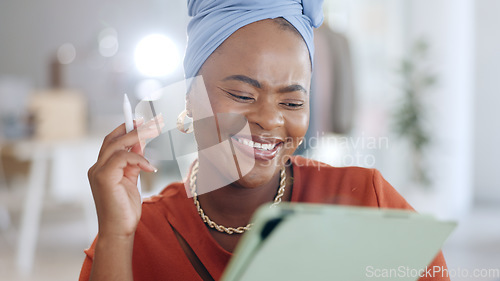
[262,72]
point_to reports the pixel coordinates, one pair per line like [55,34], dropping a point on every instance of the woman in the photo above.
[255,58]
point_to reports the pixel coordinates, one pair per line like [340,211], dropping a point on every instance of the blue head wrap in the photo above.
[213,21]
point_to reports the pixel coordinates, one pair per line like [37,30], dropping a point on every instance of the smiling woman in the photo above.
[255,58]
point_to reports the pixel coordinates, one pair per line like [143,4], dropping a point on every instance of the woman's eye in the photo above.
[240,98]
[293,105]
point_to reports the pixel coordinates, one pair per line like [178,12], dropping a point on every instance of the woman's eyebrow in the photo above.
[245,79]
[293,88]
[256,84]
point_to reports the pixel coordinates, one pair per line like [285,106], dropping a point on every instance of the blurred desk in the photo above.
[65,164]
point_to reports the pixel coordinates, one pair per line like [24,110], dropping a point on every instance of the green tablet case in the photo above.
[297,241]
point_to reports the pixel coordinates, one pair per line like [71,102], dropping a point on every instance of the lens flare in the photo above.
[66,53]
[156,56]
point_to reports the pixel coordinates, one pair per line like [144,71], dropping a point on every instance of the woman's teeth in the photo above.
[258,145]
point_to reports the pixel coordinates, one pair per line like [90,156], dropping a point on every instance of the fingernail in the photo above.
[153,168]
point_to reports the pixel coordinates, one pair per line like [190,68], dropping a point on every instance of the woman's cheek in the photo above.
[297,125]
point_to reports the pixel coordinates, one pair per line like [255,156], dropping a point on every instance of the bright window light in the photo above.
[156,56]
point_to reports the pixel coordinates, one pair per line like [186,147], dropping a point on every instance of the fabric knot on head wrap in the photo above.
[213,21]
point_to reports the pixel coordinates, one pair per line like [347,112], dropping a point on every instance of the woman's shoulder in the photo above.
[314,168]
[318,182]
[161,205]
[173,190]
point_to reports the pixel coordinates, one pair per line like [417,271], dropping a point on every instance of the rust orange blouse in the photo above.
[158,255]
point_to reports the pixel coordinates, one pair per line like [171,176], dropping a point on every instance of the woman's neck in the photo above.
[233,205]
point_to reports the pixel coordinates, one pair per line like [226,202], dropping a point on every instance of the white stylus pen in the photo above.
[127,110]
[129,126]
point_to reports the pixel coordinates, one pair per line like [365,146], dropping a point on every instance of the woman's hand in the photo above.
[113,178]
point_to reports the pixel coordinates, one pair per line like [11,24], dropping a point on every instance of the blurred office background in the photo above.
[414,93]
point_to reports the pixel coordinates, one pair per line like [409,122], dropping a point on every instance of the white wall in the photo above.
[487,102]
[381,32]
[449,27]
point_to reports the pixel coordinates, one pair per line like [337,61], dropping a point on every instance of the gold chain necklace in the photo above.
[221,228]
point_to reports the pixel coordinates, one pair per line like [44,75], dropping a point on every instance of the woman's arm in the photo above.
[113,259]
[113,179]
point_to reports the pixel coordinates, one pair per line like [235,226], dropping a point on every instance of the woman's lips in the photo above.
[259,150]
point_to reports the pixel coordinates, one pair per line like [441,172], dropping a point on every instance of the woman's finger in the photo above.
[118,132]
[122,159]
[156,123]
[117,166]
[127,141]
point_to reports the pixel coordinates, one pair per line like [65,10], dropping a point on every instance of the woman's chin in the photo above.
[255,179]
[262,172]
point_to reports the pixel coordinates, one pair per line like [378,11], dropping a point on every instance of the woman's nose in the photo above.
[267,116]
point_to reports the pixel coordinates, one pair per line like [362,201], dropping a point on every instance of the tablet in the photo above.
[298,241]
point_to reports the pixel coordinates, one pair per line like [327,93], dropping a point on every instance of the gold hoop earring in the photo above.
[180,123]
